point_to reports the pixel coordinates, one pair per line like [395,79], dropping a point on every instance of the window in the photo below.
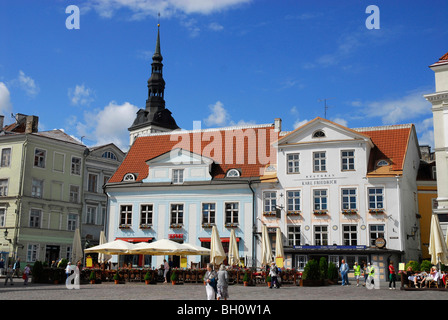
[72,221]
[382,163]
[35,218]
[146,211]
[347,160]
[177,214]
[270,201]
[233,173]
[76,166]
[231,213]
[74,194]
[349,235]
[348,199]
[319,134]
[92,183]
[320,199]
[6,157]
[129,177]
[109,155]
[39,158]
[208,213]
[2,217]
[3,187]
[125,216]
[37,187]
[294,235]
[376,198]
[178,176]
[301,261]
[319,161]
[376,231]
[293,163]
[91,215]
[293,199]
[321,235]
[32,252]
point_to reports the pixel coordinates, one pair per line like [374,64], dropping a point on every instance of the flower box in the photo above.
[349,211]
[320,212]
[207,225]
[231,225]
[176,226]
[125,226]
[293,213]
[269,214]
[145,226]
[376,211]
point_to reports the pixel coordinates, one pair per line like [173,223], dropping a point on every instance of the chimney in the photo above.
[277,125]
[31,124]
[2,119]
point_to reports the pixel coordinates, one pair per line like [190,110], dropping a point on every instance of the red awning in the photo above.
[222,239]
[136,239]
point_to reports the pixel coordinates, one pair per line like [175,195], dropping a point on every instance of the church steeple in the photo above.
[155,117]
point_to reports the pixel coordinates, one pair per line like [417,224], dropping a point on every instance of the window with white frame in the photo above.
[35,218]
[301,261]
[376,231]
[320,199]
[348,200]
[6,157]
[294,236]
[146,211]
[3,187]
[208,213]
[74,194]
[37,187]
[293,163]
[350,235]
[76,166]
[231,213]
[319,161]
[39,158]
[72,221]
[178,176]
[91,215]
[270,201]
[376,198]
[347,160]
[92,183]
[2,217]
[293,200]
[32,252]
[321,235]
[125,215]
[109,155]
[177,214]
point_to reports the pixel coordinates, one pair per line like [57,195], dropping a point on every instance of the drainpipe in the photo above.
[254,221]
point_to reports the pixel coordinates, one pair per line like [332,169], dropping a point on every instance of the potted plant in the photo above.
[173,277]
[92,277]
[116,278]
[246,278]
[148,277]
[268,280]
[332,273]
[311,274]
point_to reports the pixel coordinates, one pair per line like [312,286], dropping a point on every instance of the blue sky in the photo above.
[226,62]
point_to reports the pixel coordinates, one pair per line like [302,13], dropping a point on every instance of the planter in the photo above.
[117,281]
[311,283]
[245,283]
[173,283]
[147,281]
[269,284]
[92,281]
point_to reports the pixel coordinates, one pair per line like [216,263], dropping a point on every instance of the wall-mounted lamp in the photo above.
[6,236]
[413,232]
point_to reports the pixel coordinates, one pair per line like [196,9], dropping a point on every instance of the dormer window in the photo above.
[233,173]
[109,155]
[382,163]
[129,177]
[319,134]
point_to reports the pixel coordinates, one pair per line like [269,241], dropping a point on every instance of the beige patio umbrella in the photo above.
[279,253]
[198,249]
[233,253]
[103,257]
[437,245]
[266,249]
[113,247]
[163,247]
[77,254]
[217,253]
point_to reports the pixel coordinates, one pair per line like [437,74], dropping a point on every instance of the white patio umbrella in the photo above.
[77,254]
[279,253]
[217,253]
[113,247]
[198,249]
[103,257]
[437,245]
[163,247]
[266,249]
[233,253]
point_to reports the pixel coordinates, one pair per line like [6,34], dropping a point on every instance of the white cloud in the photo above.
[299,123]
[220,117]
[342,122]
[108,125]
[80,95]
[215,26]
[27,84]
[425,132]
[5,100]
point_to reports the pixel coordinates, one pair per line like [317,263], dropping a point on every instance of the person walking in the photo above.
[344,270]
[16,268]
[2,266]
[166,268]
[273,272]
[26,274]
[210,282]
[357,269]
[9,272]
[391,275]
[223,283]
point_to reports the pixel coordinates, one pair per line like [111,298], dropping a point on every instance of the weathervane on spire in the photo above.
[158,22]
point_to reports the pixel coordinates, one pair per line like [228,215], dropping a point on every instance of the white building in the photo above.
[344,193]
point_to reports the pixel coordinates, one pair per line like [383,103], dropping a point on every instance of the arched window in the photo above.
[129,177]
[109,155]
[233,173]
[382,163]
[318,134]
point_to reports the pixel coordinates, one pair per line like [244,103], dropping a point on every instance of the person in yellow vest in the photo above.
[357,269]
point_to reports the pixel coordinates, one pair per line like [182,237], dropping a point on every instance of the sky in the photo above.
[226,62]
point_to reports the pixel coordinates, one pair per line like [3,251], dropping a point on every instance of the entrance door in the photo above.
[51,253]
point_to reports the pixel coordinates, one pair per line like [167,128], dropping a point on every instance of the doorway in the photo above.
[52,253]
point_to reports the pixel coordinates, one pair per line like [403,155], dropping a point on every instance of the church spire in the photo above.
[156,84]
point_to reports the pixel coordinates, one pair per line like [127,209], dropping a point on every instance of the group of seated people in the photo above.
[424,279]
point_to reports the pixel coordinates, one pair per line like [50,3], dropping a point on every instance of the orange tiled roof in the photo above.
[147,148]
[442,61]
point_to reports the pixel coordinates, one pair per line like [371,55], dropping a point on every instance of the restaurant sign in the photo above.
[331,247]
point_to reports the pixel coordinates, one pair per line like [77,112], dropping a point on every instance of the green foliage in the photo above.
[268,278]
[332,271]
[92,276]
[246,276]
[414,265]
[117,276]
[323,268]
[173,275]
[37,271]
[426,265]
[148,276]
[311,271]
[63,263]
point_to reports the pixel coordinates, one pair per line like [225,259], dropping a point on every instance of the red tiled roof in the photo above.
[442,61]
[247,159]
[444,57]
